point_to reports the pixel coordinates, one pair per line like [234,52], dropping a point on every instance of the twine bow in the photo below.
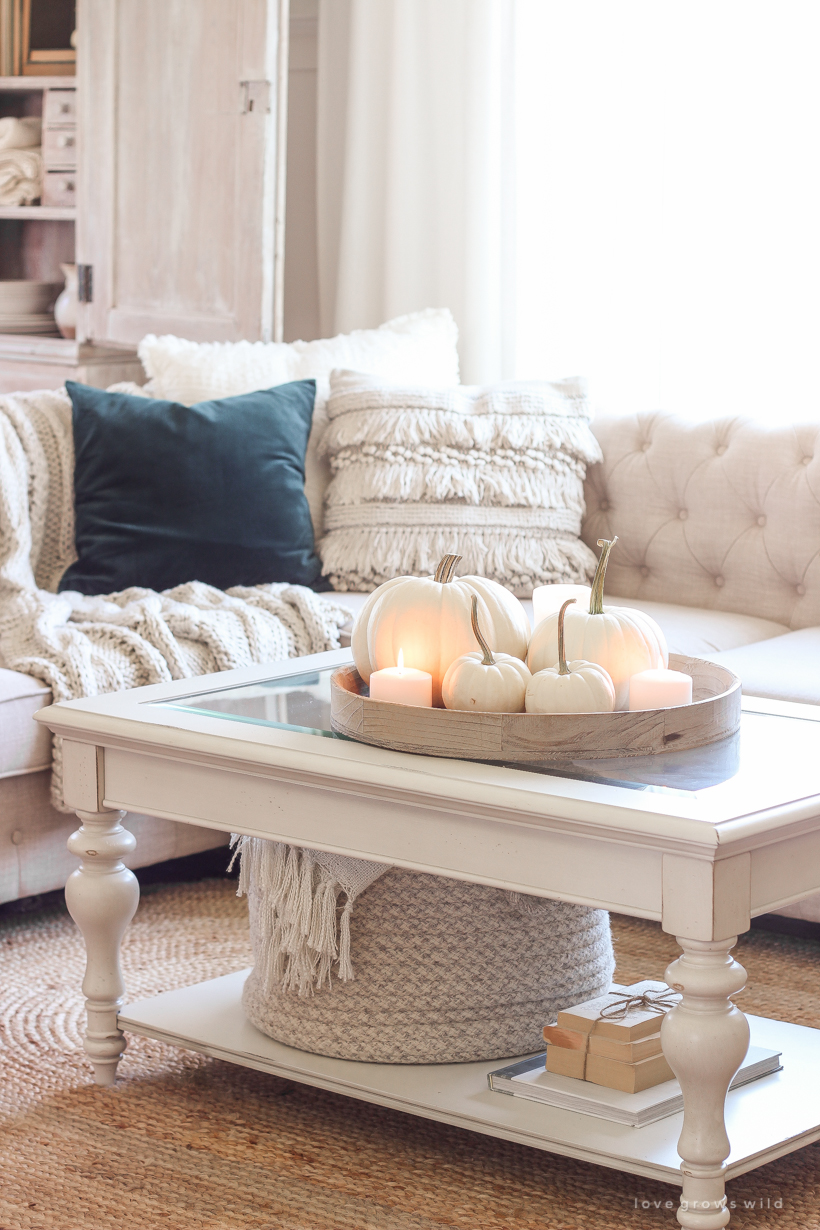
[649,1001]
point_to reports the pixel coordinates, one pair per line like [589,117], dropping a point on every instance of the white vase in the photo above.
[65,309]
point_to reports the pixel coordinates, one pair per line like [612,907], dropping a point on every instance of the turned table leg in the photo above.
[705,1039]
[102,895]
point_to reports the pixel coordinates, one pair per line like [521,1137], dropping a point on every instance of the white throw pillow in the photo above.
[493,474]
[421,346]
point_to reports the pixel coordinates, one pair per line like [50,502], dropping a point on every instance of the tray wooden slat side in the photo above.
[714,714]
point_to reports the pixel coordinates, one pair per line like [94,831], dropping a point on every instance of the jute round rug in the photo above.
[188,1143]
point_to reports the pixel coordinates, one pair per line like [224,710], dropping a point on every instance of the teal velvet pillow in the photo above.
[166,493]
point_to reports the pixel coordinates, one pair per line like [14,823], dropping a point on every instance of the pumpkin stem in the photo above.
[596,598]
[488,659]
[563,669]
[446,568]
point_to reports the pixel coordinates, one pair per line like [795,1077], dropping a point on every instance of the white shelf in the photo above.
[45,213]
[32,85]
[765,1119]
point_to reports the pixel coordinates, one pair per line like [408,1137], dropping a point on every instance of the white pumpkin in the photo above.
[358,637]
[621,640]
[570,687]
[485,682]
[429,618]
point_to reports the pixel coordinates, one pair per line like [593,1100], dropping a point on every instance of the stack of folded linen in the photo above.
[21,161]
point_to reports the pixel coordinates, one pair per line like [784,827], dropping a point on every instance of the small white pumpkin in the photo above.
[570,687]
[428,618]
[620,639]
[486,682]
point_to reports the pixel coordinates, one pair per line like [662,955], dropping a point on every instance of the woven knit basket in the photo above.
[444,972]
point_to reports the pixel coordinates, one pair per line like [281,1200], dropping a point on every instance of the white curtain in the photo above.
[625,190]
[415,175]
[669,203]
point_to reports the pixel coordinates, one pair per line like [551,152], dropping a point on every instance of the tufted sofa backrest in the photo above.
[723,514]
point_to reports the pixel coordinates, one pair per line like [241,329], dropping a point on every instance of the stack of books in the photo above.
[617,1053]
[620,1053]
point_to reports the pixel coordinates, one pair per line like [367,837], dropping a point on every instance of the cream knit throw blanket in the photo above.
[84,646]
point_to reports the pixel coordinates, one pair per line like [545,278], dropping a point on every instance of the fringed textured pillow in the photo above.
[495,475]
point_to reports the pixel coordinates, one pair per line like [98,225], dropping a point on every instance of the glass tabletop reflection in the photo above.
[770,760]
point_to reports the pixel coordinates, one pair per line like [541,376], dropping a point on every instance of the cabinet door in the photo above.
[181,180]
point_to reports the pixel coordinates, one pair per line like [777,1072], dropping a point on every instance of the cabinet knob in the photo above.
[65,108]
[63,141]
[67,185]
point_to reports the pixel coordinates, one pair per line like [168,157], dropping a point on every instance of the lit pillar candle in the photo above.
[402,684]
[549,598]
[660,689]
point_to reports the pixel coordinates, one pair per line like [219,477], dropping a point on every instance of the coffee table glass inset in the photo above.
[700,841]
[750,768]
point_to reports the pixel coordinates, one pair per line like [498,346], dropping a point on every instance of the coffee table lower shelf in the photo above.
[765,1119]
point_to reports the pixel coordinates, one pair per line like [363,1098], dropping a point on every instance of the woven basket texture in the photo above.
[445,972]
[186,1142]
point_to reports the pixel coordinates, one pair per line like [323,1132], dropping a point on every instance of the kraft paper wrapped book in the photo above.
[635,1024]
[615,1039]
[624,1052]
[597,1070]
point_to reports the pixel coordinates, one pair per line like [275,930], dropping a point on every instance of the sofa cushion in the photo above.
[785,668]
[25,745]
[166,493]
[702,633]
[421,346]
[723,515]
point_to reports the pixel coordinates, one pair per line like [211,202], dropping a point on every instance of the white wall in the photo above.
[301,269]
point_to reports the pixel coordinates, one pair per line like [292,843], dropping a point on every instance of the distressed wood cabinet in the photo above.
[180,211]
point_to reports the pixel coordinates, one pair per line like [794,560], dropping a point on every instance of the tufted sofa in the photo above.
[719,539]
[719,528]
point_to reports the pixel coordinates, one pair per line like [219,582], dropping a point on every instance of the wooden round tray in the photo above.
[714,714]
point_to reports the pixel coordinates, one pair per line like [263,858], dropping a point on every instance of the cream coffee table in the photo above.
[701,841]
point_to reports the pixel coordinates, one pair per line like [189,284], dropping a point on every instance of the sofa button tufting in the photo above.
[719,581]
[683,514]
[807,461]
[16,837]
[720,450]
[801,590]
[645,447]
[604,506]
[644,571]
[761,521]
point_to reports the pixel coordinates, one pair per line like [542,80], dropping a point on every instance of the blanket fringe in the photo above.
[301,932]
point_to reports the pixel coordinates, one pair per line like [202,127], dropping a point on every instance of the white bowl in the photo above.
[27,298]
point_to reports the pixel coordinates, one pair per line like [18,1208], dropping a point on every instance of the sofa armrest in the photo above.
[25,745]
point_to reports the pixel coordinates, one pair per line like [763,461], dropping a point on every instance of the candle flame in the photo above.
[400,661]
